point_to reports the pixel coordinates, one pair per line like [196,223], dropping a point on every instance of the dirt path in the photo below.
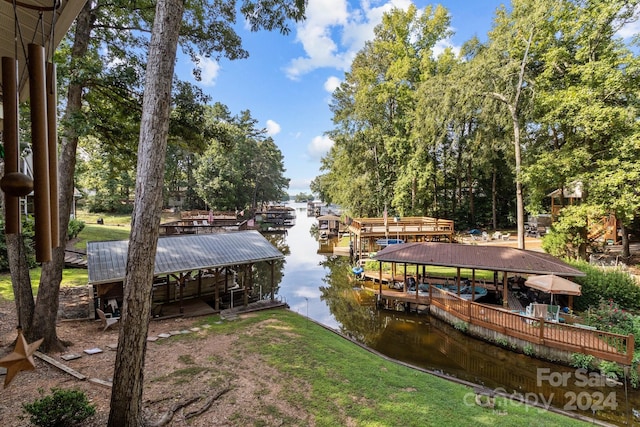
[197,364]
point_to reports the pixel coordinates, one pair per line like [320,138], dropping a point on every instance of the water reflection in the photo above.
[322,287]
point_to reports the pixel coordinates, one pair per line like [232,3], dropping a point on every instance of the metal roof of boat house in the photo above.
[107,260]
[493,258]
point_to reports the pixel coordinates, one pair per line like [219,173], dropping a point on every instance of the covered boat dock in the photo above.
[217,267]
[549,339]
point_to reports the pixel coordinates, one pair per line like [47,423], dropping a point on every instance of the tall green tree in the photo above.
[587,109]
[372,113]
[241,167]
[507,70]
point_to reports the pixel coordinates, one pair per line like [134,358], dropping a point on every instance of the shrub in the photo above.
[610,369]
[528,350]
[461,326]
[608,316]
[75,227]
[615,285]
[63,408]
[580,360]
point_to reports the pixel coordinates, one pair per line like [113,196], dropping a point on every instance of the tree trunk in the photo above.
[519,198]
[626,250]
[46,307]
[472,209]
[20,280]
[494,196]
[21,283]
[126,395]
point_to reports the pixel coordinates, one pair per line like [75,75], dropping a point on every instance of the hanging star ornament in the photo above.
[21,359]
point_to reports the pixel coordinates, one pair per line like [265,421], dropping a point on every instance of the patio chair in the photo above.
[553,313]
[105,321]
[506,236]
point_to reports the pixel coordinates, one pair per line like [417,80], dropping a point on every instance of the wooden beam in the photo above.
[59,365]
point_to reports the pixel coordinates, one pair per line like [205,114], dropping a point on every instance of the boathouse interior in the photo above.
[199,272]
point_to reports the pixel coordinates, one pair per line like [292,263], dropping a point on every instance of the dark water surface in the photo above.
[317,285]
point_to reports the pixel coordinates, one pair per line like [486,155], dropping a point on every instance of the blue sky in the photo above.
[287,81]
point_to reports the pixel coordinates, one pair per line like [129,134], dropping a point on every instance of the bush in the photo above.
[614,285]
[611,369]
[63,408]
[582,361]
[609,317]
[75,227]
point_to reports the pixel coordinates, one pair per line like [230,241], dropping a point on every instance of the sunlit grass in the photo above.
[431,271]
[100,233]
[340,383]
[70,277]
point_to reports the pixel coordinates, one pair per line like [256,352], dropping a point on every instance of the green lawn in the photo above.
[99,233]
[70,277]
[340,383]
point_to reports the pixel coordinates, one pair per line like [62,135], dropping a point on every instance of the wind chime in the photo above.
[15,184]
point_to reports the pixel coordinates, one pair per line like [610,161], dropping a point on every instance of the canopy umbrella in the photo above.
[328,218]
[552,284]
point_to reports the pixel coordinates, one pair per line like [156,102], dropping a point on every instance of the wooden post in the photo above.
[40,145]
[216,289]
[273,264]
[473,284]
[181,282]
[248,284]
[10,137]
[52,138]
[541,330]
[404,284]
[505,290]
[458,280]
[380,278]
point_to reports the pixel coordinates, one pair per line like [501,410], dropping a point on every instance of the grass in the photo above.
[99,233]
[70,277]
[340,383]
[433,271]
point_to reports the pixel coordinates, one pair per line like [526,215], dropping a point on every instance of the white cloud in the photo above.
[332,34]
[332,84]
[319,146]
[629,30]
[209,69]
[273,128]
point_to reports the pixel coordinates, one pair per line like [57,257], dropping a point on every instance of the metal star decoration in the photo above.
[21,359]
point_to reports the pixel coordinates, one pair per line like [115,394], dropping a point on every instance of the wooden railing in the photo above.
[603,345]
[405,225]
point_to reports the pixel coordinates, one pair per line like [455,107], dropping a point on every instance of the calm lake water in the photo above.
[317,285]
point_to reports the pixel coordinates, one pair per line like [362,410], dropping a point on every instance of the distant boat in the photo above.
[387,242]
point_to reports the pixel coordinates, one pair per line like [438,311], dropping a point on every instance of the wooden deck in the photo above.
[600,344]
